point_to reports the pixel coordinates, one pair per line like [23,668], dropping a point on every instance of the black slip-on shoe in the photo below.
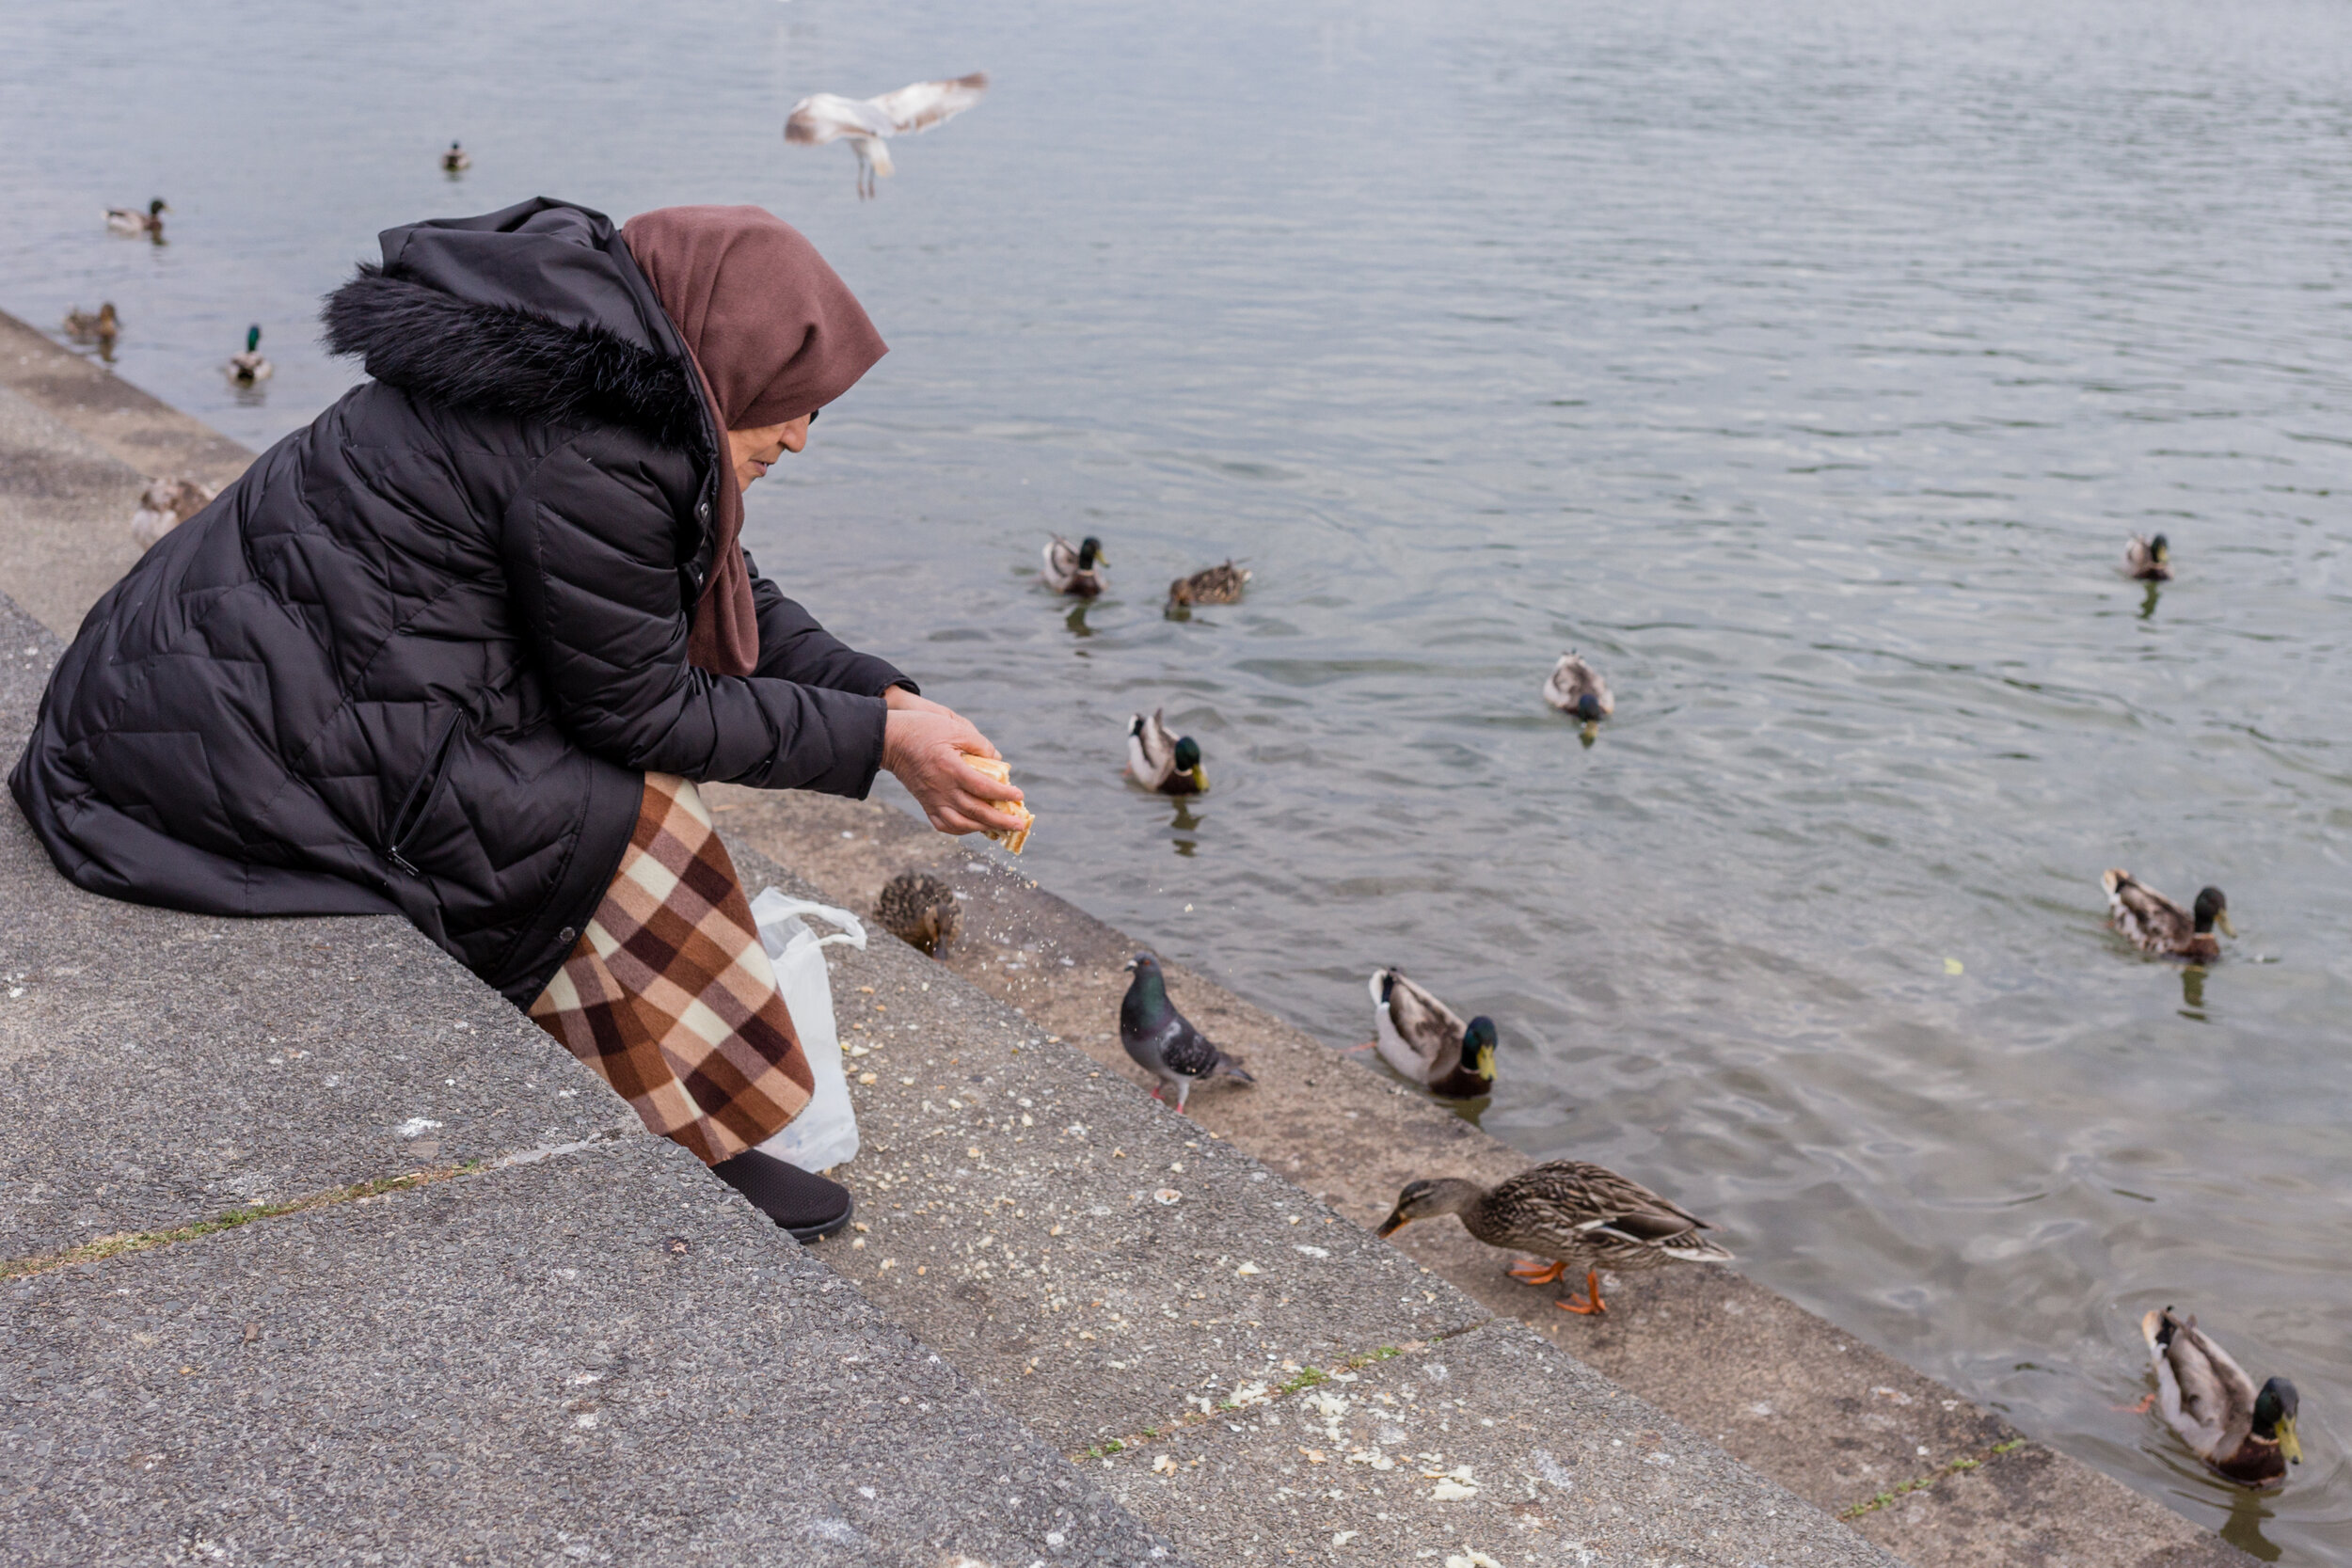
[809,1206]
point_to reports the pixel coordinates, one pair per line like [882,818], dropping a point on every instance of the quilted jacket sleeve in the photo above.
[793,647]
[590,549]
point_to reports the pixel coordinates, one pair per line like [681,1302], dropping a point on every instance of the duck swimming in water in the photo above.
[83,327]
[249,367]
[2148,559]
[1574,686]
[1158,760]
[1209,585]
[1428,1041]
[1077,570]
[456,160]
[2210,1403]
[130,220]
[2156,925]
[1579,1215]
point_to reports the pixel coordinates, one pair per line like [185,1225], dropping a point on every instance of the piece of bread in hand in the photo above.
[1002,773]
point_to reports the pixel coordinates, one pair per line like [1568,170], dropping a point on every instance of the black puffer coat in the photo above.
[419,657]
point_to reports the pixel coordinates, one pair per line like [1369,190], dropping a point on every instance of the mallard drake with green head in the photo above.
[1574,686]
[1157,759]
[1428,1041]
[101,325]
[2207,1399]
[2156,925]
[2148,559]
[1579,1215]
[249,367]
[919,910]
[130,220]
[456,160]
[1209,585]
[1076,569]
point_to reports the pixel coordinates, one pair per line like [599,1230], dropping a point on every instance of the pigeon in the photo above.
[867,123]
[1163,1042]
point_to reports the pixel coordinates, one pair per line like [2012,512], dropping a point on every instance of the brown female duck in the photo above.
[1579,1215]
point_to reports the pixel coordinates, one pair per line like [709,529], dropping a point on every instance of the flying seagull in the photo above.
[867,123]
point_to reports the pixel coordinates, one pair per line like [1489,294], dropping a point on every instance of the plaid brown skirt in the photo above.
[669,995]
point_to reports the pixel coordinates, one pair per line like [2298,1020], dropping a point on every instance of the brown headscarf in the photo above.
[775,334]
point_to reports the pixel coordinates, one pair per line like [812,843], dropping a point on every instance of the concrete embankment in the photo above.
[1238,1371]
[315,1250]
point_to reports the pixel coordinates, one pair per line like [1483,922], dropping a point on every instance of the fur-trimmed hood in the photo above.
[441,349]
[536,311]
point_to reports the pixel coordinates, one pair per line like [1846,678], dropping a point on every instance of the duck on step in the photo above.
[919,910]
[1578,1216]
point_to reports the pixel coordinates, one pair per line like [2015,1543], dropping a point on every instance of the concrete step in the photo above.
[1131,1288]
[316,1249]
[1907,1462]
[595,1356]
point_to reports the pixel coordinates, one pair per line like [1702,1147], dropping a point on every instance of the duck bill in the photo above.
[1397,1222]
[1200,777]
[2222,920]
[2289,1444]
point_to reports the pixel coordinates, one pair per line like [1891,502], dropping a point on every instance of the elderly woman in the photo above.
[462,649]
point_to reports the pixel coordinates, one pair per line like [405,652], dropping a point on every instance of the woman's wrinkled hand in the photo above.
[925,745]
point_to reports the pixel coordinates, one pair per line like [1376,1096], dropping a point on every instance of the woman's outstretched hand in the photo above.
[925,745]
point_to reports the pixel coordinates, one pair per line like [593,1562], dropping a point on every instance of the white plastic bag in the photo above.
[824,1135]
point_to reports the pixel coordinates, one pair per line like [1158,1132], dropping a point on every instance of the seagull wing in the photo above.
[824,117]
[927,103]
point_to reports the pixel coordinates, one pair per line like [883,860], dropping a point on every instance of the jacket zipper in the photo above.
[420,794]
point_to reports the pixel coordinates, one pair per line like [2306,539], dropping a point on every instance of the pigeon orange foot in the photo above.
[1589,1303]
[1530,1271]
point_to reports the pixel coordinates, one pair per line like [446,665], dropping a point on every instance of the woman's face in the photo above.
[755,451]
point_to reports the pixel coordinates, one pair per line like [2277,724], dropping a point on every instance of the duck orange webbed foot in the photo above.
[1534,1270]
[2145,1406]
[1589,1303]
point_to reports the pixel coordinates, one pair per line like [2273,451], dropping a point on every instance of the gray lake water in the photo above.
[1805,366]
